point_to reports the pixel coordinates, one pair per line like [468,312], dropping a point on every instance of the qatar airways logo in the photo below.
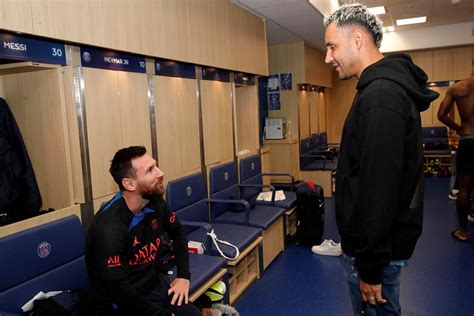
[145,254]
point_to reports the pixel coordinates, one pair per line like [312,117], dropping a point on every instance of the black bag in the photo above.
[310,214]
[68,303]
[166,257]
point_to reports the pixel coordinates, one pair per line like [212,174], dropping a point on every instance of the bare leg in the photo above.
[463,203]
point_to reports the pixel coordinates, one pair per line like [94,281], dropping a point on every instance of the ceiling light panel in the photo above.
[377,10]
[420,19]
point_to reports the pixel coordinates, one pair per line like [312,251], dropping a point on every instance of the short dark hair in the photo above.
[357,14]
[121,165]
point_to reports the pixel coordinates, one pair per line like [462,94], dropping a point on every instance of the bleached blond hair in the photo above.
[357,14]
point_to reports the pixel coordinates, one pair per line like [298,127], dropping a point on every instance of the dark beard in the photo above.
[149,195]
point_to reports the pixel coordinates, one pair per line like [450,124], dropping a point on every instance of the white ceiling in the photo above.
[298,20]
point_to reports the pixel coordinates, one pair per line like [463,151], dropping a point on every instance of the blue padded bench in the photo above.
[48,257]
[314,157]
[435,140]
[224,187]
[251,183]
[318,162]
[205,271]
[185,196]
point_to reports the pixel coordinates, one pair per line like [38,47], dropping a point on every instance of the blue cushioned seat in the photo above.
[261,216]
[316,155]
[251,183]
[48,257]
[435,140]
[203,268]
[186,198]
[241,237]
[224,186]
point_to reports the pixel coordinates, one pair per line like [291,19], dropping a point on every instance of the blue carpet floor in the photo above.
[438,281]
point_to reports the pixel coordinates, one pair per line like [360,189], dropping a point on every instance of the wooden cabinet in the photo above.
[177,126]
[462,62]
[244,271]
[112,97]
[317,72]
[284,158]
[36,97]
[216,33]
[442,64]
[217,121]
[247,119]
[304,113]
[424,59]
[16,16]
[445,64]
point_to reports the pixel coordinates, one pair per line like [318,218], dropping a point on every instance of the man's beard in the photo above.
[158,191]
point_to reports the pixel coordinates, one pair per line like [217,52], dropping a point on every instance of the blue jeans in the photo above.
[390,288]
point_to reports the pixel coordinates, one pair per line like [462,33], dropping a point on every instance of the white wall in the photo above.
[430,37]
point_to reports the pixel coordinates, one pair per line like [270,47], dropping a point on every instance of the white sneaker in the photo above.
[453,195]
[470,217]
[328,248]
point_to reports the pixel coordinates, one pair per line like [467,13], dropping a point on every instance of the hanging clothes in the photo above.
[20,197]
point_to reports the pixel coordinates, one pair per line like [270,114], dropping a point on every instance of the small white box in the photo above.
[196,247]
[275,128]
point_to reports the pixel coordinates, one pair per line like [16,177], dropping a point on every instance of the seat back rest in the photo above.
[197,212]
[305,145]
[34,251]
[434,131]
[315,141]
[69,276]
[37,259]
[185,197]
[323,139]
[185,191]
[250,167]
[223,176]
[305,148]
[251,173]
[250,193]
[230,193]
[223,185]
[435,137]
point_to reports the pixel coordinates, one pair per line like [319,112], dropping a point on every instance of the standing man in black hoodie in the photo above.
[379,181]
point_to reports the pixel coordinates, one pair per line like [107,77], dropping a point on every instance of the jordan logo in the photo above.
[135,241]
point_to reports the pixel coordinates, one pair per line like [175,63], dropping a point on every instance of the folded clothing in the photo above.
[267,196]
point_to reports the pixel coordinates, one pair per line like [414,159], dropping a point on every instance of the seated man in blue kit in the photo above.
[123,244]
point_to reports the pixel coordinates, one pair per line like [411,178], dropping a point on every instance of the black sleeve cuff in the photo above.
[183,274]
[372,275]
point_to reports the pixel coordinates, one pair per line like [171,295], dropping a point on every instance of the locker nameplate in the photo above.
[112,60]
[26,48]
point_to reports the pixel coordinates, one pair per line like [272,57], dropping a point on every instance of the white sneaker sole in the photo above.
[326,252]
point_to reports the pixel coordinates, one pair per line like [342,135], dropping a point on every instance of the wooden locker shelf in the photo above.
[27,66]
[245,270]
[290,222]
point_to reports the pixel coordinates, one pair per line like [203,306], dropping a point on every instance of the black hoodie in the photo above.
[379,181]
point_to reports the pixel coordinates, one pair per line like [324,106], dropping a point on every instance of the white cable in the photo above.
[216,240]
